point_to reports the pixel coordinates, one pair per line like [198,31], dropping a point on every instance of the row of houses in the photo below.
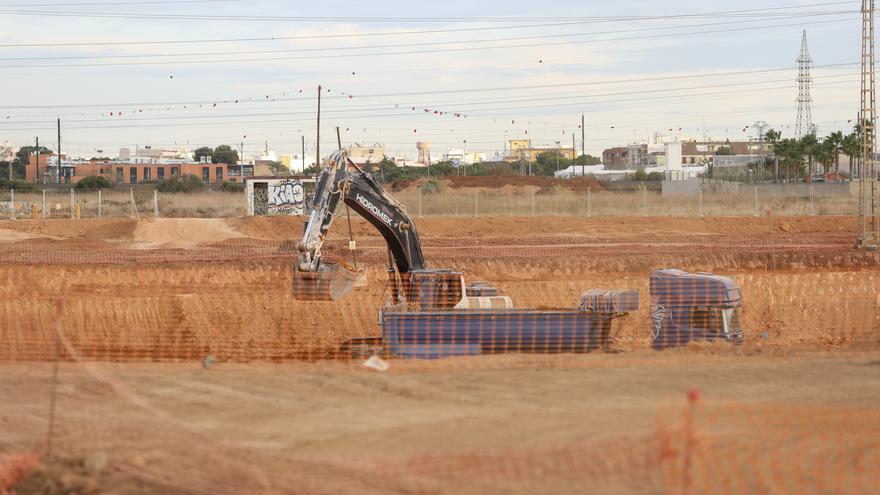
[45,169]
[644,155]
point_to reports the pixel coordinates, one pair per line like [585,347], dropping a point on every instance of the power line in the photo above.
[430,93]
[407,52]
[113,4]
[287,38]
[421,19]
[442,105]
[601,82]
[418,114]
[357,35]
[403,45]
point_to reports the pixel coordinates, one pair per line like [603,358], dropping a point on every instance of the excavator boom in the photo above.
[343,181]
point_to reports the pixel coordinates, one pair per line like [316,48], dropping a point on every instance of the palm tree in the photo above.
[835,141]
[790,152]
[773,136]
[852,148]
[824,152]
[809,145]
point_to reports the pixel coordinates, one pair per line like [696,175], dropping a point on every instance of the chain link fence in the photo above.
[675,199]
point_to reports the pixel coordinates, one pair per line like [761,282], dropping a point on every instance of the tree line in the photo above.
[798,158]
[544,164]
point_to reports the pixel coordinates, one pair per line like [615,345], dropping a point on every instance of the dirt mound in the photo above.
[285,228]
[9,235]
[183,232]
[270,228]
[93,229]
[544,184]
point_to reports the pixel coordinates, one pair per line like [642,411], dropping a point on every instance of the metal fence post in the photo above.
[812,206]
[44,212]
[476,202]
[12,200]
[701,200]
[134,212]
[99,203]
[589,201]
[757,212]
[72,202]
[420,201]
[155,204]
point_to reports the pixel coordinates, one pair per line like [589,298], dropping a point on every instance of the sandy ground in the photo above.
[182,289]
[182,232]
[140,304]
[614,423]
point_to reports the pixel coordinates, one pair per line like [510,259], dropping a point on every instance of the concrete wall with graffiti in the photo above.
[277,196]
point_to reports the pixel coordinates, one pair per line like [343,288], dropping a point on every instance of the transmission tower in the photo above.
[869,227]
[805,80]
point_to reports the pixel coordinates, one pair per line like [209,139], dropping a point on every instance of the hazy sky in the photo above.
[514,69]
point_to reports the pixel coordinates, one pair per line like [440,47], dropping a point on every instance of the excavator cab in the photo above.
[434,289]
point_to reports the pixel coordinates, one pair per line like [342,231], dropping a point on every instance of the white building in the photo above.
[297,163]
[147,153]
[363,155]
[598,171]
[460,155]
[268,156]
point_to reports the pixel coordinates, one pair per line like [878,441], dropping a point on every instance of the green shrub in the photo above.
[185,184]
[18,185]
[92,183]
[231,187]
[431,186]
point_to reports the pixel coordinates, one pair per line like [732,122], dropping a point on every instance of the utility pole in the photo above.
[583,135]
[37,141]
[58,168]
[804,123]
[318,142]
[464,155]
[760,126]
[241,160]
[859,170]
[869,222]
[304,152]
[558,150]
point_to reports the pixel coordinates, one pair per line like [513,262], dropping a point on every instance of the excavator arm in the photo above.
[342,180]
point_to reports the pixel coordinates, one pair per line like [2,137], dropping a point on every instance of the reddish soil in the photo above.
[189,367]
[180,289]
[543,184]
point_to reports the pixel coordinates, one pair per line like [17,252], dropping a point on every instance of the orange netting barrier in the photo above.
[545,359]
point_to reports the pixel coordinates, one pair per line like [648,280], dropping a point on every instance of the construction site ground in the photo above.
[187,365]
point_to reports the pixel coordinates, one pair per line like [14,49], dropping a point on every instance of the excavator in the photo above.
[432,312]
[343,181]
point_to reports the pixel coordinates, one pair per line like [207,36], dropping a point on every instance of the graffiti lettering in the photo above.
[9,208]
[286,198]
[658,313]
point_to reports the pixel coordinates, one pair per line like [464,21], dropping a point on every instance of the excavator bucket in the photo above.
[331,282]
